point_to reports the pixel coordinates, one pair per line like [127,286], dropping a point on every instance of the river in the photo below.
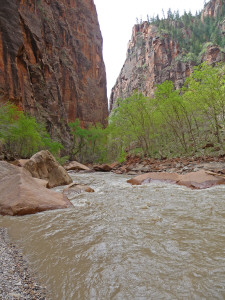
[156,241]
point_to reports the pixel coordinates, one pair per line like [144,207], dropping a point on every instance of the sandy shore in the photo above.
[16,281]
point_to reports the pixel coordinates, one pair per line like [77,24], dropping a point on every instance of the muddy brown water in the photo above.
[156,241]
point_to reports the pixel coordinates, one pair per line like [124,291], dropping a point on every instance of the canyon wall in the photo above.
[154,56]
[51,62]
[151,59]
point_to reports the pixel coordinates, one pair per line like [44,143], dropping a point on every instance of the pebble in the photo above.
[16,282]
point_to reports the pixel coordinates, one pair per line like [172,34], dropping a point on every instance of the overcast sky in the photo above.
[116,20]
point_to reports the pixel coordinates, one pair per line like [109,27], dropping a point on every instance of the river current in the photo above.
[123,242]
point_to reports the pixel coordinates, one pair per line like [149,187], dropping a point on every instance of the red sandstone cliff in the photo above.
[51,61]
[151,59]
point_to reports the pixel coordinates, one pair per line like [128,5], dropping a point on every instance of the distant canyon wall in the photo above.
[153,57]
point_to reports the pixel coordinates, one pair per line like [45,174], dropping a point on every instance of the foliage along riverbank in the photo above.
[175,123]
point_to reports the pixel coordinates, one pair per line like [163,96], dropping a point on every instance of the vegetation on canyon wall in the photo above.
[21,135]
[172,123]
[193,32]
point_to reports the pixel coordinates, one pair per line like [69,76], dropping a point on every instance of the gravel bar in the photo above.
[16,281]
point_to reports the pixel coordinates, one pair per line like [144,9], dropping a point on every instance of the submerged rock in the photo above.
[75,188]
[195,180]
[43,165]
[20,194]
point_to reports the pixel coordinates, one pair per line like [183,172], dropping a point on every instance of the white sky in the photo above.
[117,19]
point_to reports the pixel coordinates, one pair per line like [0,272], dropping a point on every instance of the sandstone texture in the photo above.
[51,62]
[21,194]
[43,165]
[150,60]
[194,180]
[212,9]
[76,166]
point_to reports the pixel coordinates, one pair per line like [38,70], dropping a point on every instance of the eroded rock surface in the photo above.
[196,180]
[43,165]
[76,166]
[20,194]
[51,61]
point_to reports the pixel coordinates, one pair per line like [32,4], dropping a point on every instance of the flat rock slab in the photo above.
[195,180]
[20,194]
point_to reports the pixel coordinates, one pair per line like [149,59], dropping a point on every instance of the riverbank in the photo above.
[134,165]
[16,281]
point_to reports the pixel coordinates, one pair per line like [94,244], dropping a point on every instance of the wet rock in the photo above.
[154,176]
[76,166]
[102,168]
[22,194]
[200,180]
[196,180]
[43,165]
[77,189]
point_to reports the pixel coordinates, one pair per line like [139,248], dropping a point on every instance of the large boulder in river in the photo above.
[21,194]
[195,180]
[43,165]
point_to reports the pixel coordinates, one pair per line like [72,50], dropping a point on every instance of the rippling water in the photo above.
[156,241]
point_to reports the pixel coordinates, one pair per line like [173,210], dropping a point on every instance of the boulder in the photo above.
[154,176]
[201,179]
[102,168]
[74,165]
[21,194]
[43,165]
[196,180]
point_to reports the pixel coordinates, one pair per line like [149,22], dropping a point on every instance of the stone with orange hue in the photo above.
[194,180]
[76,166]
[102,168]
[20,194]
[200,180]
[51,62]
[154,176]
[212,9]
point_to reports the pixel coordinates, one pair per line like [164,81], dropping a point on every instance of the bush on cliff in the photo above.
[21,135]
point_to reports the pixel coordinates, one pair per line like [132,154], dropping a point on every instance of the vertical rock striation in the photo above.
[51,61]
[151,59]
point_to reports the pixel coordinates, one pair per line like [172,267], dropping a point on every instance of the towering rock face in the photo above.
[151,59]
[212,9]
[51,61]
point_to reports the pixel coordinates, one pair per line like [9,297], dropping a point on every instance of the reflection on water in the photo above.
[155,241]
